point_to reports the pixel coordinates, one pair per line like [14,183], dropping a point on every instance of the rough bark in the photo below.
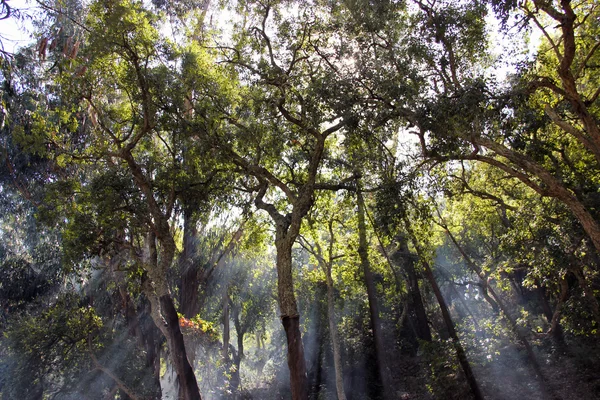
[287,227]
[185,374]
[552,186]
[363,252]
[165,316]
[156,287]
[291,321]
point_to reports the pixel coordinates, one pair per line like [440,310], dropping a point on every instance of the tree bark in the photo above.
[291,321]
[553,186]
[316,375]
[185,374]
[165,316]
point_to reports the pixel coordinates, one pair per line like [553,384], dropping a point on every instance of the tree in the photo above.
[284,115]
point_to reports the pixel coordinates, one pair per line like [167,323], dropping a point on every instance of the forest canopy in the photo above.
[265,199]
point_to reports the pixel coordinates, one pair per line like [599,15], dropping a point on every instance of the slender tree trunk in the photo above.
[316,376]
[335,343]
[486,295]
[416,301]
[190,278]
[226,335]
[460,351]
[235,381]
[363,253]
[226,338]
[555,330]
[239,354]
[510,319]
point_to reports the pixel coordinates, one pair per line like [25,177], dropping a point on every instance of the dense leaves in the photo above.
[419,213]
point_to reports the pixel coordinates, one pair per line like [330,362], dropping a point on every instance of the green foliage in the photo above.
[112,130]
[40,346]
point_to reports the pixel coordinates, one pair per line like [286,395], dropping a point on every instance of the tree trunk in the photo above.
[190,278]
[416,301]
[226,336]
[291,320]
[165,316]
[187,380]
[556,330]
[317,370]
[225,350]
[239,354]
[460,351]
[335,343]
[363,253]
[157,288]
[151,342]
